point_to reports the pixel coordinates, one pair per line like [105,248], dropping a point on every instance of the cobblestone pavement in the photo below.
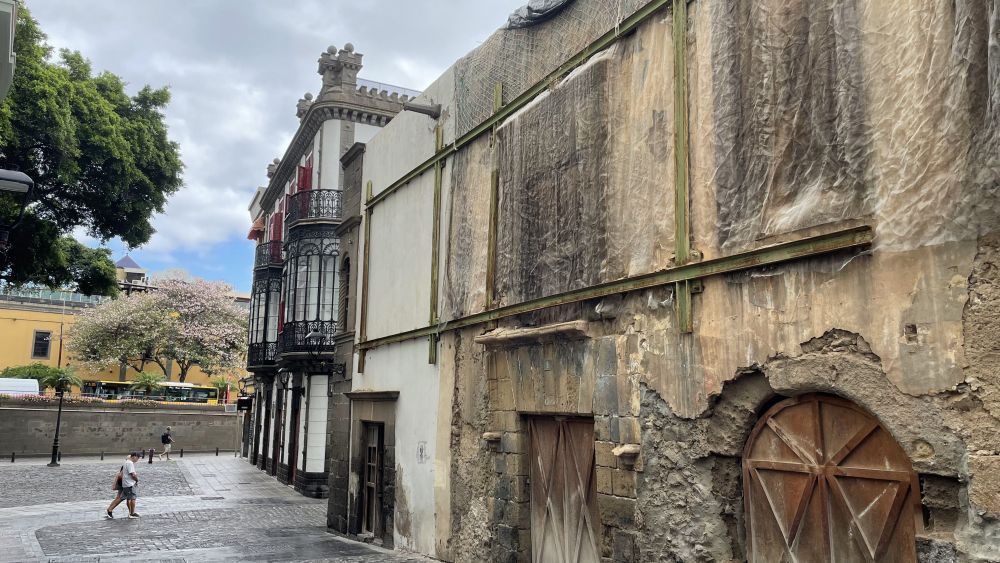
[199,508]
[71,482]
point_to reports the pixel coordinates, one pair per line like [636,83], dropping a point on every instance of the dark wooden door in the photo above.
[293,434]
[371,511]
[825,482]
[565,522]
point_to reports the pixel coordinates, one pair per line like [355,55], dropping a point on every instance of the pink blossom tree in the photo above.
[189,322]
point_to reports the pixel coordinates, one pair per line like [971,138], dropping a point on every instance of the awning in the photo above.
[257,229]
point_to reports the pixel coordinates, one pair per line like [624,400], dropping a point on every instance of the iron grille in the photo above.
[315,204]
[293,337]
[269,254]
[262,353]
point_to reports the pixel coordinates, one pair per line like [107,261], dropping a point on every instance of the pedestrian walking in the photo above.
[126,483]
[166,439]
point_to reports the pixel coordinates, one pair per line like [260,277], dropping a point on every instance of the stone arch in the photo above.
[825,481]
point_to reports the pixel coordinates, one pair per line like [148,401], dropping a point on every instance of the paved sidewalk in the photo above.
[199,508]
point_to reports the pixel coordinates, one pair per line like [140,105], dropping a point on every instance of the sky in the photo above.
[235,69]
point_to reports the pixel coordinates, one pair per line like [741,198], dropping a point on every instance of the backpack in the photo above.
[165,438]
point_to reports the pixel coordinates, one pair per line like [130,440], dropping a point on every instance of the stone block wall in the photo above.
[28,428]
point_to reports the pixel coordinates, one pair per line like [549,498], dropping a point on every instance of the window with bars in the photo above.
[264,309]
[310,278]
[41,344]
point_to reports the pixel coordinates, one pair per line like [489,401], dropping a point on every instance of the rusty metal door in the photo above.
[565,523]
[824,481]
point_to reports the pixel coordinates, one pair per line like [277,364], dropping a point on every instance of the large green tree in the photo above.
[101,159]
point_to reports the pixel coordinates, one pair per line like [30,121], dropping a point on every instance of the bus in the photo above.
[169,392]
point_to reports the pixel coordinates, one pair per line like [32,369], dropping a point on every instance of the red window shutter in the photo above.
[305,178]
[307,174]
[279,218]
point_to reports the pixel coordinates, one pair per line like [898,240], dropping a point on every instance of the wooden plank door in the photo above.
[823,482]
[565,523]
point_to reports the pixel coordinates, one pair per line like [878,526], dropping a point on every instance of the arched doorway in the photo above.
[824,481]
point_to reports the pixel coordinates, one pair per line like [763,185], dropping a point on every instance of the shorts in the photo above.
[166,448]
[128,493]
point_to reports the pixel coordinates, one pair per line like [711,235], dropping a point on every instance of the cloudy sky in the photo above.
[235,69]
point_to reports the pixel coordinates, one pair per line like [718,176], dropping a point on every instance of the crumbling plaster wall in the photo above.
[845,127]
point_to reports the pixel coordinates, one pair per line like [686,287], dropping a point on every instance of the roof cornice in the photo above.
[356,107]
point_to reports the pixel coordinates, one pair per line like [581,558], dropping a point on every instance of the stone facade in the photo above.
[679,232]
[306,218]
[28,427]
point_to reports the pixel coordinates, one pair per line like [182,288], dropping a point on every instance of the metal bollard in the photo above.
[59,457]
[150,456]
[216,452]
[102,456]
[182,452]
[12,456]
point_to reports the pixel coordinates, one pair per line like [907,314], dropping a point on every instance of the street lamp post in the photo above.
[18,186]
[315,340]
[61,390]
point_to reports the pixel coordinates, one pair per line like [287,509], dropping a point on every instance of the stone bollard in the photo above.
[150,456]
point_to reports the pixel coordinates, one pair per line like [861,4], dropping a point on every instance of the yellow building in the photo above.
[35,325]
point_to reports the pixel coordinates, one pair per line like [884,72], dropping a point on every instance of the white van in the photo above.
[11,386]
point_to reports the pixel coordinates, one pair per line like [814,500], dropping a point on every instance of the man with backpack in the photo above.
[166,439]
[126,483]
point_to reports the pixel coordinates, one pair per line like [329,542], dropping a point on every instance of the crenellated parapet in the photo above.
[339,69]
[272,167]
[342,96]
[384,95]
[303,105]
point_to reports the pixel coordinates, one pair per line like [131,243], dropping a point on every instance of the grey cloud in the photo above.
[236,69]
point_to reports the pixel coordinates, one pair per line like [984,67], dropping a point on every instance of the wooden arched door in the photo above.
[823,482]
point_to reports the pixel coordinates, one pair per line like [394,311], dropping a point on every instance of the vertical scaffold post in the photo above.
[363,328]
[436,243]
[491,240]
[682,227]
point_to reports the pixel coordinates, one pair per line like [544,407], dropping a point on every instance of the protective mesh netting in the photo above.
[518,58]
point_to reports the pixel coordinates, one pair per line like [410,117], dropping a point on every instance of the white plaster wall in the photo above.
[364,132]
[408,139]
[327,158]
[400,260]
[269,438]
[403,367]
[286,414]
[316,439]
[300,457]
[317,153]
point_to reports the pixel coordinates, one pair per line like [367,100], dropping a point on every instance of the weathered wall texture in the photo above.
[28,429]
[805,119]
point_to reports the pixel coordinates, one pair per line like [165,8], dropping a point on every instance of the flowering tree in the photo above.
[188,322]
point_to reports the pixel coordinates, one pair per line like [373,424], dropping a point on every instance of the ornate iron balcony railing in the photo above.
[269,255]
[315,204]
[262,354]
[293,337]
